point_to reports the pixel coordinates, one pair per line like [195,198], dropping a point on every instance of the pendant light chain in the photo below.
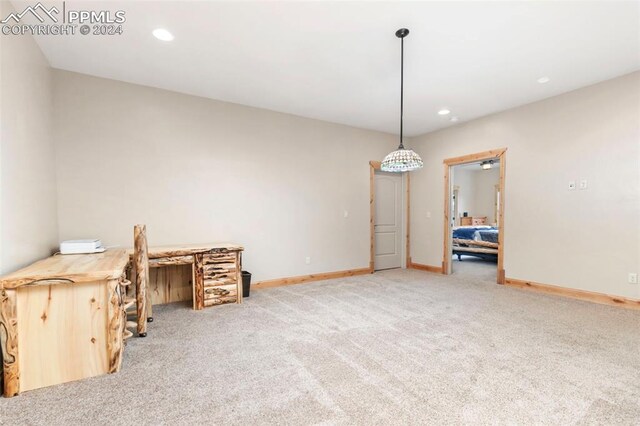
[401,88]
[402,159]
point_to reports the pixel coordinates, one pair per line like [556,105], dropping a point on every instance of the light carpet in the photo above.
[396,347]
[474,268]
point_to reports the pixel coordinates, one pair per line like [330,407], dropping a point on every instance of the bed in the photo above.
[477,241]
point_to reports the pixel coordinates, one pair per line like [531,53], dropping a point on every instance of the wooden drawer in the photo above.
[479,221]
[223,270]
[216,258]
[220,301]
[219,294]
[220,266]
[170,261]
[219,283]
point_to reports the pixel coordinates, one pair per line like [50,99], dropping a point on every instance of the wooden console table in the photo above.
[62,319]
[216,270]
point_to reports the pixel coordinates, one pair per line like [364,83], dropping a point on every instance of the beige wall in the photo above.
[476,191]
[583,239]
[198,170]
[463,179]
[28,213]
[485,182]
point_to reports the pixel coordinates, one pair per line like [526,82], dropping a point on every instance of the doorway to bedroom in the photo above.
[474,191]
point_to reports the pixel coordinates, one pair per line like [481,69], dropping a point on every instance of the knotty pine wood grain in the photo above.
[69,268]
[116,325]
[191,249]
[170,261]
[9,342]
[170,284]
[198,282]
[141,262]
[64,333]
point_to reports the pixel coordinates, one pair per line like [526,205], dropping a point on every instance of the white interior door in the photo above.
[388,221]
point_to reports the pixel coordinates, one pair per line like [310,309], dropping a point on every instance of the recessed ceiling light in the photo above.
[162,34]
[454,119]
[543,80]
[444,111]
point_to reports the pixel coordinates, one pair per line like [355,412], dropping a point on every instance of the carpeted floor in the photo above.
[396,347]
[473,268]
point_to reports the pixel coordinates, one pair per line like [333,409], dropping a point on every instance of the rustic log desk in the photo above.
[215,276]
[62,319]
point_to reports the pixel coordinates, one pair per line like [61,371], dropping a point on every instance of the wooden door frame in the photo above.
[471,158]
[373,166]
[456,202]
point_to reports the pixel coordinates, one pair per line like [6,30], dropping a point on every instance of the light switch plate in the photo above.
[583,184]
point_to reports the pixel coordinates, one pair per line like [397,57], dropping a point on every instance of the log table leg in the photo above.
[9,342]
[149,307]
[198,281]
[141,261]
[239,285]
[116,325]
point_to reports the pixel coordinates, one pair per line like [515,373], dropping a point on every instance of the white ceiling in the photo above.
[339,61]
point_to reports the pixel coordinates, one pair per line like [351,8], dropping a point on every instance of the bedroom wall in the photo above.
[464,180]
[477,191]
[198,170]
[484,188]
[28,213]
[583,239]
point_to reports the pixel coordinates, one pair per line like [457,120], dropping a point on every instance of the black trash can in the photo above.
[246,283]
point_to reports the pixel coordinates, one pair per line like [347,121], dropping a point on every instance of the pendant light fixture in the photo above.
[401,160]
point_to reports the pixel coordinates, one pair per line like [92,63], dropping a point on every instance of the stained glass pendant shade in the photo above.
[401,160]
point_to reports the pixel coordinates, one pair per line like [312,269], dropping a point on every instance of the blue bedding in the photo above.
[466,233]
[489,235]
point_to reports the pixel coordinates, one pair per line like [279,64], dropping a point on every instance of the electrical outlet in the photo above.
[307,260]
[572,185]
[583,184]
[633,278]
